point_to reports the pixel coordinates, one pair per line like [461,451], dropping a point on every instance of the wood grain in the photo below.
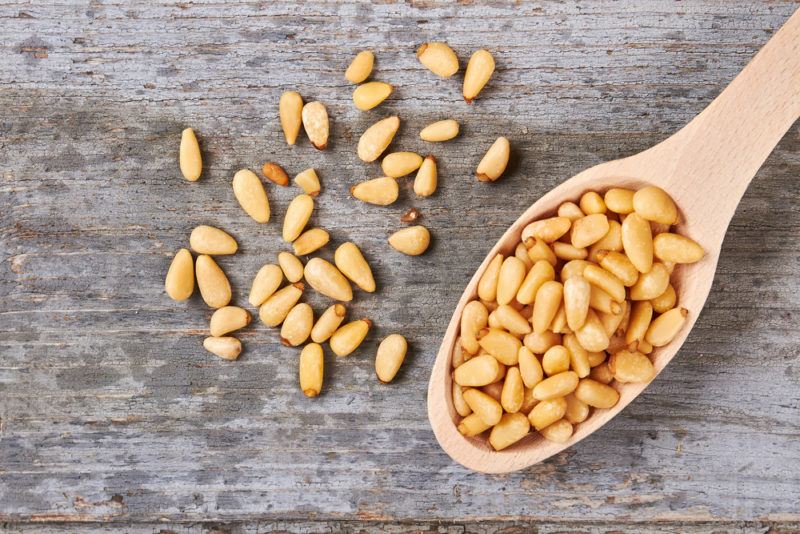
[111,410]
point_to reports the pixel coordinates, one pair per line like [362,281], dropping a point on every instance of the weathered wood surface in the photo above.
[111,410]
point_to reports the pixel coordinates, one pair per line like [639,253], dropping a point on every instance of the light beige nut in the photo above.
[612,241]
[308,181]
[529,367]
[596,394]
[665,301]
[602,374]
[546,305]
[556,386]
[351,262]
[577,410]
[347,338]
[376,139]
[541,272]
[361,67]
[487,285]
[266,282]
[512,320]
[461,406]
[494,162]
[619,265]
[438,58]
[619,200]
[592,335]
[252,196]
[571,211]
[502,345]
[399,164]
[666,326]
[577,293]
[513,393]
[484,406]
[556,360]
[589,230]
[379,191]
[472,425]
[276,307]
[473,319]
[676,248]
[275,173]
[291,266]
[479,70]
[327,323]
[297,215]
[591,202]
[511,428]
[290,110]
[548,230]
[512,274]
[369,95]
[413,240]
[478,371]
[539,343]
[315,122]
[390,356]
[326,279]
[311,370]
[427,178]
[655,204]
[439,131]
[651,284]
[190,159]
[227,348]
[227,319]
[310,240]
[639,321]
[637,241]
[558,432]
[212,241]
[297,326]
[212,282]
[547,412]
[627,366]
[179,283]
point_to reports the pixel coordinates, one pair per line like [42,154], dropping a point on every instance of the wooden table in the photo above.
[113,416]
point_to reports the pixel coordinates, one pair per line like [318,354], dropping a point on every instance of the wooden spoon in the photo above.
[706,168]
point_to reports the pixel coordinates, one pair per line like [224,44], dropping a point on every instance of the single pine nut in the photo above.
[589,230]
[629,366]
[502,345]
[558,432]
[555,360]
[595,394]
[310,240]
[227,319]
[312,365]
[390,356]
[579,357]
[573,268]
[611,321]
[540,273]
[601,373]
[459,355]
[179,283]
[577,292]
[473,319]
[250,192]
[493,321]
[592,335]
[654,204]
[291,266]
[275,173]
[529,367]
[513,393]
[548,230]
[190,159]
[351,262]
[619,200]
[297,215]
[488,409]
[290,110]
[556,386]
[478,371]
[676,248]
[596,358]
[559,322]
[601,301]
[599,277]
[399,164]
[413,240]
[651,284]
[376,138]
[665,301]
[619,265]
[494,162]
[326,279]
[487,285]
[571,211]
[368,95]
[276,307]
[327,323]
[227,348]
[297,325]
[546,304]
[611,241]
[461,406]
[472,425]
[521,253]
[308,181]
[547,412]
[212,282]
[512,320]
[626,319]
[511,428]
[637,241]
[315,122]
[266,282]
[212,241]
[592,203]
[666,326]
[426,180]
[539,250]
[566,251]
[379,191]
[348,337]
[479,70]
[512,273]
[641,314]
[438,58]
[361,67]
[440,131]
[577,410]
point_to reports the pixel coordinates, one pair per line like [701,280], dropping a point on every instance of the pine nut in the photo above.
[571,211]
[619,200]
[473,319]
[654,204]
[290,110]
[275,173]
[297,325]
[592,203]
[512,273]
[426,180]
[308,181]
[651,284]
[629,366]
[227,348]
[438,58]
[502,345]
[315,122]
[601,301]
[556,386]
[539,250]
[513,394]
[472,425]
[212,241]
[578,356]
[592,335]
[326,279]
[190,159]
[461,406]
[311,370]
[368,95]
[494,162]
[266,282]
[249,191]
[348,337]
[606,281]
[327,323]
[478,371]
[511,428]
[540,273]
[361,67]
[297,215]
[479,70]
[277,307]
[641,314]
[227,319]
[212,282]
[577,293]
[489,410]
[179,283]
[374,141]
[566,251]
[512,320]
[528,401]
[611,241]
[291,266]
[555,360]
[487,285]
[378,191]
[589,230]
[595,359]
[439,131]
[559,322]
[665,301]
[413,240]
[546,304]
[529,367]
[390,356]
[595,394]
[601,373]
[573,268]
[310,240]
[619,265]
[351,262]
[611,321]
[666,326]
[558,432]
[399,164]
[548,230]
[677,248]
[637,241]
[577,410]
[547,412]
[521,253]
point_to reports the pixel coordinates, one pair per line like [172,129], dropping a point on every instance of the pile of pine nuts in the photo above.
[582,302]
[279,304]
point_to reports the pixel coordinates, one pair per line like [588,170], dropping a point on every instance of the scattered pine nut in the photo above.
[315,122]
[438,58]
[439,131]
[291,266]
[212,282]
[266,282]
[348,337]
[479,70]
[179,283]
[297,326]
[326,279]
[297,215]
[275,173]
[227,319]
[351,262]
[376,139]
[390,356]
[190,159]
[427,178]
[276,307]
[212,241]
[311,370]
[290,110]
[361,67]
[252,196]
[399,164]
[413,240]
[494,163]
[308,181]
[369,95]
[378,191]
[227,348]
[327,323]
[310,240]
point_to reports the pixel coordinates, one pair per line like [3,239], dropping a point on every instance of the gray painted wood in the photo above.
[111,410]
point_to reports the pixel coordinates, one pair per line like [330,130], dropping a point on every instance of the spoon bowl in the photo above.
[706,168]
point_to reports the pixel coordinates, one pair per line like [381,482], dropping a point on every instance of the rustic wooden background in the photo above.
[110,411]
